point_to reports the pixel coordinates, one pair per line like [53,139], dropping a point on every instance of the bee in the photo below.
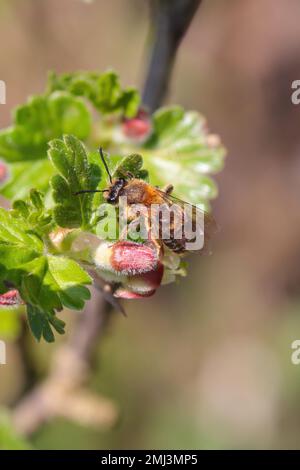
[138,191]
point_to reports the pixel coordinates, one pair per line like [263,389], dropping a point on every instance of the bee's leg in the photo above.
[152,241]
[123,234]
[168,188]
[155,245]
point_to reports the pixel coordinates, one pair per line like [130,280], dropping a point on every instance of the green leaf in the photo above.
[58,324]
[18,246]
[180,151]
[47,283]
[33,212]
[51,283]
[103,90]
[39,323]
[37,200]
[38,287]
[36,321]
[165,122]
[48,333]
[69,280]
[25,175]
[40,120]
[24,144]
[132,164]
[76,173]
[129,102]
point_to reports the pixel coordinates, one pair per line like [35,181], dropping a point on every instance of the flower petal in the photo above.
[125,257]
[122,293]
[10,298]
[137,128]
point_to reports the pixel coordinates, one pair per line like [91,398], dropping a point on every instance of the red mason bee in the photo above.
[138,191]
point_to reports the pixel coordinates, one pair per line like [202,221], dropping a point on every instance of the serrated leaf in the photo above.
[48,333]
[24,175]
[39,323]
[46,282]
[36,321]
[34,213]
[57,323]
[32,282]
[40,120]
[103,90]
[24,144]
[70,280]
[51,283]
[76,173]
[180,151]
[22,208]
[132,164]
[16,233]
[38,287]
[37,199]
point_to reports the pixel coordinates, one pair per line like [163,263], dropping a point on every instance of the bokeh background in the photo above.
[205,363]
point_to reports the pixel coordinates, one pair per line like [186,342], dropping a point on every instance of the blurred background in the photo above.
[205,363]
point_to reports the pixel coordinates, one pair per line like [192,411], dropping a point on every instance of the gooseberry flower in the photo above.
[126,257]
[137,128]
[141,285]
[134,268]
[10,298]
[3,172]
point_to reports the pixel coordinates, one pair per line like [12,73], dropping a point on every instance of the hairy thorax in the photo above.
[139,192]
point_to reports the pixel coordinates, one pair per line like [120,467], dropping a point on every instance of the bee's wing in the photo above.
[210,226]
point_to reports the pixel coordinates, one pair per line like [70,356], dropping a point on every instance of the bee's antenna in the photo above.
[104,163]
[90,191]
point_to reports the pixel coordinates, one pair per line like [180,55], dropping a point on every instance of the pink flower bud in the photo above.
[125,257]
[123,293]
[10,298]
[143,285]
[3,172]
[137,128]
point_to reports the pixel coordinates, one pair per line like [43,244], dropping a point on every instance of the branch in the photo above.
[170,19]
[61,394]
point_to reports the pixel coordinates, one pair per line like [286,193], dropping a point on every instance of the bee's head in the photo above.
[114,191]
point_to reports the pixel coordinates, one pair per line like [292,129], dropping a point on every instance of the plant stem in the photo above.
[170,20]
[69,371]
[71,364]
